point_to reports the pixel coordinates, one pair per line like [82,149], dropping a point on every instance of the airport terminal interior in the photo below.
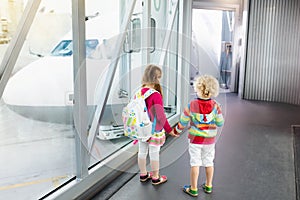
[68,68]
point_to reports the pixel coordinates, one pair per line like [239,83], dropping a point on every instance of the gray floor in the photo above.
[254,157]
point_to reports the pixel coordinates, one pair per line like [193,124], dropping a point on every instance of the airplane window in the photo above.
[65,48]
[90,46]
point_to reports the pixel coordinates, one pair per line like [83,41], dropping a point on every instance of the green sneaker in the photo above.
[207,189]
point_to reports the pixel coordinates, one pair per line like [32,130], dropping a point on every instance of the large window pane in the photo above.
[106,28]
[37,137]
[166,52]
[129,72]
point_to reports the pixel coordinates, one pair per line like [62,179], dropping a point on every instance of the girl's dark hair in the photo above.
[151,74]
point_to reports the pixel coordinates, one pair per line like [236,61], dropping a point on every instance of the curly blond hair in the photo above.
[206,86]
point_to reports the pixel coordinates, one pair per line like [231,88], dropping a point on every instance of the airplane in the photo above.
[43,89]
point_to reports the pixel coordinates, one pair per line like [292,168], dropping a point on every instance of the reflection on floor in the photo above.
[104,148]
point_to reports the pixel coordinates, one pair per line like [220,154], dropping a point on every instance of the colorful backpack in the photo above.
[137,124]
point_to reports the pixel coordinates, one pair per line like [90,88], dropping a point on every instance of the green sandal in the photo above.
[207,189]
[187,189]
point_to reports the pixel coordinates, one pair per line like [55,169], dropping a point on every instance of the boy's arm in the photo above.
[219,116]
[184,120]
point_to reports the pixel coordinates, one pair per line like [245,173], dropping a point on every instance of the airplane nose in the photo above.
[41,83]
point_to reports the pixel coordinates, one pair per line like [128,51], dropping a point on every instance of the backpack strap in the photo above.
[149,92]
[153,125]
[146,95]
[139,95]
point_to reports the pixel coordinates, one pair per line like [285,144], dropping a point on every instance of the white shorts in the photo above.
[202,154]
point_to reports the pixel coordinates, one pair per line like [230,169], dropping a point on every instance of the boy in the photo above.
[204,115]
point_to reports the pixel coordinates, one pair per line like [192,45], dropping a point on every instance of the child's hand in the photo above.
[173,134]
[174,130]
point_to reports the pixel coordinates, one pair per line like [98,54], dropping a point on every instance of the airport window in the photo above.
[38,133]
[37,130]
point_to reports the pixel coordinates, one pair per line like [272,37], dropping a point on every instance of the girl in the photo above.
[154,103]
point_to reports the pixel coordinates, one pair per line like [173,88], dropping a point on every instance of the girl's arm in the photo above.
[157,107]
